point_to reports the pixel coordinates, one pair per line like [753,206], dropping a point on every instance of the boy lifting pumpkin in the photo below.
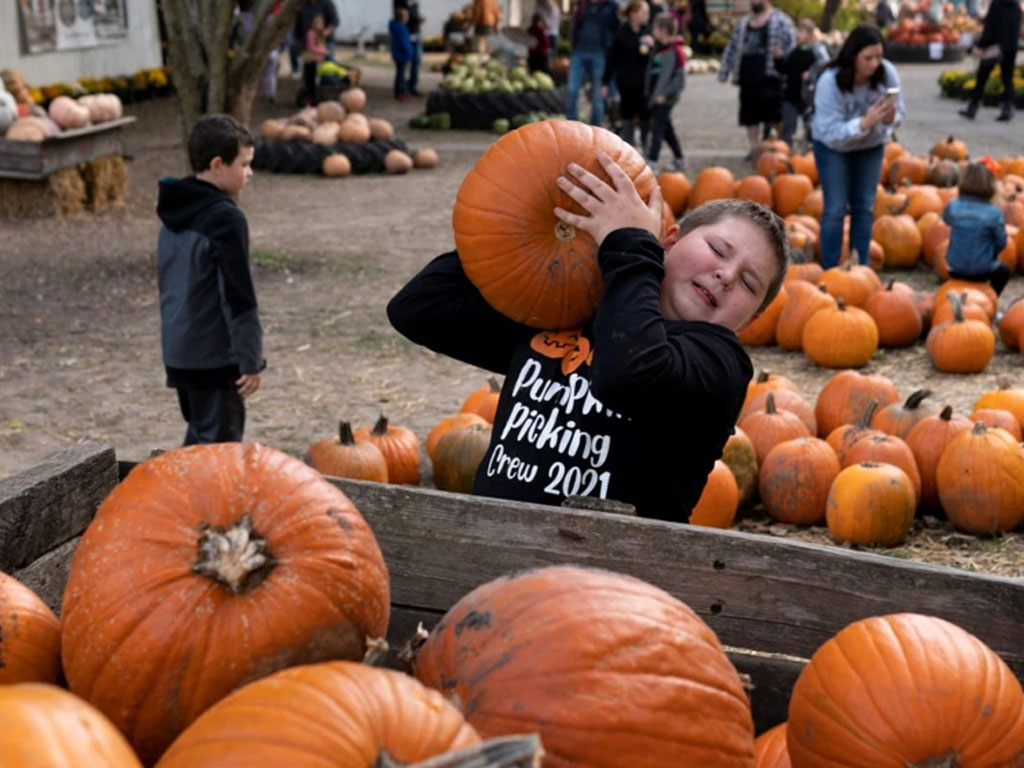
[636,402]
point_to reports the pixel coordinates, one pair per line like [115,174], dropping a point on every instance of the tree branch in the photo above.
[266,35]
[218,39]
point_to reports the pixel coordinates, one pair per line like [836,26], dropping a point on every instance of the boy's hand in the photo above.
[610,208]
[247,383]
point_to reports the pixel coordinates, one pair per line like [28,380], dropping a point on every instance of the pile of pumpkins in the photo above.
[863,461]
[227,603]
[340,122]
[862,312]
[64,114]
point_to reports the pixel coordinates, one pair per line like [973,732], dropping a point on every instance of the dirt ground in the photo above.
[79,321]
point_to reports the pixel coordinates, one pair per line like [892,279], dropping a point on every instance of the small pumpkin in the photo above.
[927,440]
[770,427]
[998,417]
[972,717]
[675,189]
[846,395]
[326,134]
[897,317]
[886,449]
[712,183]
[814,204]
[909,168]
[381,129]
[457,456]
[766,381]
[455,421]
[900,240]
[801,270]
[932,237]
[970,308]
[805,164]
[842,438]
[896,419]
[795,479]
[330,111]
[871,504]
[29,636]
[343,456]
[354,129]
[424,157]
[789,331]
[756,188]
[960,345]
[1006,397]
[396,161]
[761,330]
[741,458]
[353,99]
[718,502]
[980,479]
[770,749]
[337,164]
[484,400]
[401,449]
[848,283]
[771,163]
[789,190]
[950,148]
[296,132]
[786,400]
[272,129]
[843,337]
[923,199]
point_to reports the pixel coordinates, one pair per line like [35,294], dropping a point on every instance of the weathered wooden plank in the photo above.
[48,575]
[45,506]
[756,592]
[771,675]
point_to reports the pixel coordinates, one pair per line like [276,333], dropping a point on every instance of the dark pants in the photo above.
[661,127]
[985,68]
[309,80]
[997,278]
[214,415]
[849,181]
[538,62]
[791,114]
[414,65]
[401,80]
[633,110]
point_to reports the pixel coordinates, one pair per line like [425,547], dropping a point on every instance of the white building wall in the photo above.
[353,15]
[141,49]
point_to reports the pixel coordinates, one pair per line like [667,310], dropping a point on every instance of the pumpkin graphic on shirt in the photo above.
[570,345]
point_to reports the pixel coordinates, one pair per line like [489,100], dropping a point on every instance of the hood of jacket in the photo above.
[181,201]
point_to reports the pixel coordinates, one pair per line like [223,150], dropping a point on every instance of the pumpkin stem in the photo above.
[865,418]
[495,384]
[763,376]
[506,752]
[951,760]
[947,413]
[564,232]
[823,288]
[915,399]
[345,436]
[769,405]
[890,284]
[381,427]
[407,653]
[376,649]
[840,303]
[233,555]
[980,428]
[958,310]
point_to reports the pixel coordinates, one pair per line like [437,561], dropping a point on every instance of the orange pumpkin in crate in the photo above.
[719,500]
[526,262]
[29,636]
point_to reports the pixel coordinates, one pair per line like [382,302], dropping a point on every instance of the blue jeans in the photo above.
[414,64]
[848,182]
[401,84]
[585,65]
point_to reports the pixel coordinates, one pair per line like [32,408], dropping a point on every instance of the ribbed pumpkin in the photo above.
[800,270]
[344,456]
[909,168]
[897,317]
[401,449]
[886,449]
[718,502]
[337,713]
[848,283]
[457,456]
[814,204]
[927,440]
[770,749]
[483,401]
[713,183]
[950,148]
[770,163]
[183,586]
[871,505]
[1001,418]
[766,381]
[905,690]
[756,188]
[789,331]
[336,164]
[980,478]
[795,479]
[923,199]
[900,240]
[789,190]
[805,164]
[45,726]
[29,636]
[609,670]
[898,419]
[845,396]
[770,427]
[675,189]
[761,330]
[455,421]
[843,337]
[960,345]
[527,263]
[741,458]
[842,438]
[931,238]
[970,308]
[1006,397]
[973,289]
[786,400]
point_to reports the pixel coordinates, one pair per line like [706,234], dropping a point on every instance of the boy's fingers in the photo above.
[571,218]
[618,176]
[577,193]
[654,201]
[598,188]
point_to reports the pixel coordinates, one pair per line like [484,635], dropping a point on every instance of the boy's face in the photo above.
[718,273]
[232,177]
[803,37]
[659,34]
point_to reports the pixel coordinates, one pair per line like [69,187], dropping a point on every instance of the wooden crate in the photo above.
[34,161]
[772,602]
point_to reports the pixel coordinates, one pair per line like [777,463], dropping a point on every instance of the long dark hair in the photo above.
[845,61]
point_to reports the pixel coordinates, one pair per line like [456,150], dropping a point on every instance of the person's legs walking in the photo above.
[834,172]
[595,70]
[673,140]
[414,65]
[400,80]
[790,115]
[659,115]
[573,86]
[865,169]
[1006,73]
[984,70]
[309,81]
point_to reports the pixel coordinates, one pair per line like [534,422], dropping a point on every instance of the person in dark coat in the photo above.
[626,65]
[996,45]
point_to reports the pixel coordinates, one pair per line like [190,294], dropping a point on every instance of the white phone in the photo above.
[891,94]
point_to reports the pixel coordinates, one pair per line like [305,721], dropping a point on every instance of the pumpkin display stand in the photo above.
[305,157]
[478,111]
[772,602]
[65,174]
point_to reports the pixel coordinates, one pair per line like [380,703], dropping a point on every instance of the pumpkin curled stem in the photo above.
[916,398]
[376,649]
[411,647]
[234,555]
[505,752]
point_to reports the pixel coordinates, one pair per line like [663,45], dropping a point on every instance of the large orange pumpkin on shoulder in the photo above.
[209,567]
[905,690]
[337,713]
[527,263]
[29,636]
[610,671]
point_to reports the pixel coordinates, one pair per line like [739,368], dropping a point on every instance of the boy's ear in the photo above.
[217,163]
[671,237]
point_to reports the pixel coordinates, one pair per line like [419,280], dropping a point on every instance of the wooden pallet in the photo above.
[34,161]
[772,602]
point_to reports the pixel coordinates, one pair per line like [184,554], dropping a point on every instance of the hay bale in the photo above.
[68,189]
[105,179]
[62,193]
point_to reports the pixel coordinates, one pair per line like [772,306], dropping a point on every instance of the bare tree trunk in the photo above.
[829,13]
[207,79]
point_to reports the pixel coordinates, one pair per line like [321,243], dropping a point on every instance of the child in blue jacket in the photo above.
[401,51]
[978,230]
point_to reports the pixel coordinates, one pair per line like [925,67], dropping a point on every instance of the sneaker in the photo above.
[679,164]
[1005,114]
[653,165]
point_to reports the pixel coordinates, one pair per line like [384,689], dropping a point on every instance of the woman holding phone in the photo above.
[857,103]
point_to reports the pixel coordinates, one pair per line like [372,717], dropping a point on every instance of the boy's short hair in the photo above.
[808,25]
[763,218]
[401,14]
[977,181]
[666,22]
[216,136]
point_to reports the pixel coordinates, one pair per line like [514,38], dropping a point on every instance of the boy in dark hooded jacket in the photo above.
[666,78]
[210,332]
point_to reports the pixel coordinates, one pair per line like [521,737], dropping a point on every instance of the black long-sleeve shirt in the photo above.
[630,407]
[625,63]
